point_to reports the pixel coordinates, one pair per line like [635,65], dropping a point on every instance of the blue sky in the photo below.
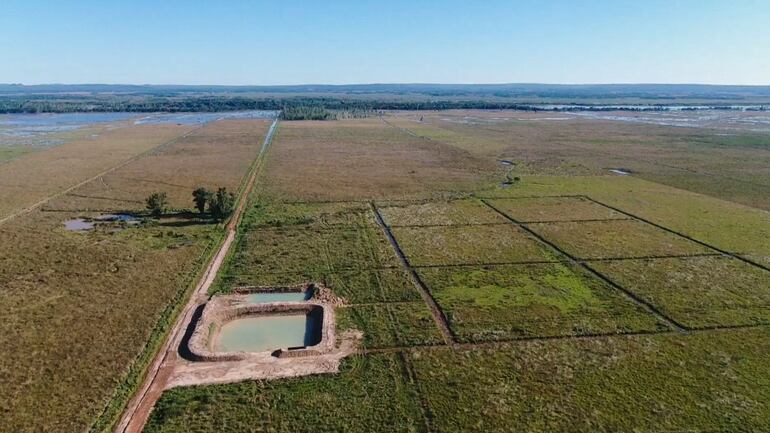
[395,41]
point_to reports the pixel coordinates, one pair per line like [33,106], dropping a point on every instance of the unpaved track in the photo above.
[140,406]
[29,209]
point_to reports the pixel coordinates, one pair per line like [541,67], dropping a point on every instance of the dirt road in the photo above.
[140,406]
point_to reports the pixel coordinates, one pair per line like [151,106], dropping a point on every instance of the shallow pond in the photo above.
[78,225]
[196,118]
[116,217]
[267,333]
[265,297]
[620,171]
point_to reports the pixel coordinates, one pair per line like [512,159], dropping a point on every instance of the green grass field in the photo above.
[520,301]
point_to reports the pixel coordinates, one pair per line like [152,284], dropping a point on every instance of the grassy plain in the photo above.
[83,312]
[544,209]
[391,325]
[25,181]
[698,291]
[561,378]
[615,239]
[370,394]
[731,164]
[307,250]
[214,156]
[366,159]
[699,382]
[456,212]
[519,301]
[727,225]
[454,245]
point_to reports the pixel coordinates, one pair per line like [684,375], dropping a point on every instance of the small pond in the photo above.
[267,333]
[265,297]
[621,171]
[78,225]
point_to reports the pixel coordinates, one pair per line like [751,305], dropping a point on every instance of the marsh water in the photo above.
[35,129]
[265,297]
[265,333]
[78,225]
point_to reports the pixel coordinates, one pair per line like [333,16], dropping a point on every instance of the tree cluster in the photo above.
[219,204]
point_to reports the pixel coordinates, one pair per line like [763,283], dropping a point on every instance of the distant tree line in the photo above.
[306,112]
[296,107]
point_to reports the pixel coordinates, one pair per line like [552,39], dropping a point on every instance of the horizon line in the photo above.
[390,84]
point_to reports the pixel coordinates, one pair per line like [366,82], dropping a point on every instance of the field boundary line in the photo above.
[661,257]
[380,303]
[588,220]
[524,197]
[682,235]
[103,173]
[493,344]
[418,226]
[631,295]
[470,265]
[433,307]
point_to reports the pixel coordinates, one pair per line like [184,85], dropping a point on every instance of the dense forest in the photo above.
[327,101]
[317,108]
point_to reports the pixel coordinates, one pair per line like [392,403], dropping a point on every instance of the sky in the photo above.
[395,41]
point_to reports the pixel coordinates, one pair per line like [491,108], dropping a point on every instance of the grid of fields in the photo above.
[499,269]
[539,313]
[528,344]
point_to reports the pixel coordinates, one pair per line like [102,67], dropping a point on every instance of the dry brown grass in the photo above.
[732,166]
[216,155]
[78,308]
[364,159]
[29,179]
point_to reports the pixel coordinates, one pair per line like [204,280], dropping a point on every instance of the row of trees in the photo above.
[220,203]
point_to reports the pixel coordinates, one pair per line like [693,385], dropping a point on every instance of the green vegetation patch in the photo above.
[11,152]
[698,382]
[528,209]
[307,251]
[468,245]
[519,301]
[698,291]
[613,239]
[268,213]
[391,325]
[370,394]
[468,211]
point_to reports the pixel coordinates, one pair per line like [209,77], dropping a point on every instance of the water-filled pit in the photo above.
[262,333]
[266,297]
